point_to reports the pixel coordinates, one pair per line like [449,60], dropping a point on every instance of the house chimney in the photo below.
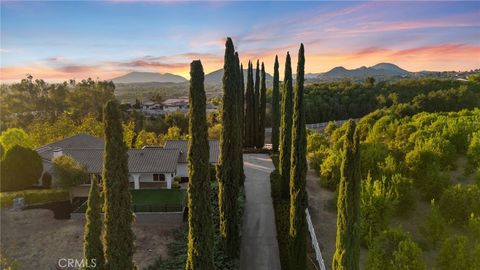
[57,152]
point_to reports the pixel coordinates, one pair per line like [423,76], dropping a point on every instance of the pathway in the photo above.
[259,247]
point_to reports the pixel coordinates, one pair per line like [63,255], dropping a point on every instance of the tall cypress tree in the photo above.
[226,171]
[298,172]
[249,111]
[241,108]
[347,250]
[92,236]
[119,237]
[275,106]
[263,107]
[200,230]
[286,130]
[256,106]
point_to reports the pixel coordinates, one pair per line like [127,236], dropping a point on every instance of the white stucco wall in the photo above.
[182,169]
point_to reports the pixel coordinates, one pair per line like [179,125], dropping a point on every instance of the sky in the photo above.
[58,40]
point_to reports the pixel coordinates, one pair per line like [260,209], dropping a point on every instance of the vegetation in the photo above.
[262,109]
[298,173]
[249,110]
[347,251]
[227,171]
[286,129]
[68,172]
[200,232]
[20,169]
[15,136]
[34,196]
[118,236]
[92,239]
[275,106]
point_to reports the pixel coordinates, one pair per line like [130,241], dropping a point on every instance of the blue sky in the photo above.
[62,40]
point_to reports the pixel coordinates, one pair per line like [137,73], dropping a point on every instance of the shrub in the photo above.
[67,172]
[394,249]
[473,151]
[15,136]
[34,196]
[282,214]
[21,168]
[435,227]
[176,184]
[403,194]
[330,170]
[454,254]
[459,202]
[47,180]
[376,208]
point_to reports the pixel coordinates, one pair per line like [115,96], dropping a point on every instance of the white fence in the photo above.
[316,247]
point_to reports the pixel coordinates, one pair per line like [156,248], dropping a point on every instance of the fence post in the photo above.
[316,247]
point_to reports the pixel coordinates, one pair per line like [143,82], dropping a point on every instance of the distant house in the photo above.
[182,145]
[175,105]
[149,167]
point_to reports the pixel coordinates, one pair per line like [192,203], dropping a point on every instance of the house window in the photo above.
[158,177]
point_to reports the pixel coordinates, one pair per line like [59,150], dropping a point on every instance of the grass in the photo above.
[158,197]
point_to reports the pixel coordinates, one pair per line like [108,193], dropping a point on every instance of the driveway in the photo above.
[259,247]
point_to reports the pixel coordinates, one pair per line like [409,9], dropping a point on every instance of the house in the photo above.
[175,105]
[182,145]
[149,167]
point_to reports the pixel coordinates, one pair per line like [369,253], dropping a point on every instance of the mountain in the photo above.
[378,70]
[144,77]
[216,76]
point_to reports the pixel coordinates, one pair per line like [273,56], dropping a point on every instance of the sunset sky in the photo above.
[65,40]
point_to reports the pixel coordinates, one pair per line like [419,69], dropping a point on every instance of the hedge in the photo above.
[34,196]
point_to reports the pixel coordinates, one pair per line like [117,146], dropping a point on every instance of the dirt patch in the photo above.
[36,240]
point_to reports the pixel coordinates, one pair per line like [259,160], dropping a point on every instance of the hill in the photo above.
[146,77]
[216,76]
[384,70]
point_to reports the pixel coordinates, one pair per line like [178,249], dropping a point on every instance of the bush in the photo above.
[282,221]
[47,180]
[459,202]
[435,227]
[34,196]
[376,209]
[15,136]
[21,168]
[403,194]
[67,172]
[394,249]
[176,184]
[454,254]
[330,170]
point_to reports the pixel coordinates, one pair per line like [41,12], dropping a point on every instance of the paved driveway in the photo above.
[259,247]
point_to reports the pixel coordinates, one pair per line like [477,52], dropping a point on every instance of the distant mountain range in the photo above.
[382,71]
[216,76]
[378,70]
[146,77]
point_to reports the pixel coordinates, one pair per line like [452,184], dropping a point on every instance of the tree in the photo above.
[240,108]
[68,172]
[249,110]
[119,237]
[256,107]
[262,110]
[227,176]
[200,233]
[435,227]
[20,169]
[298,173]
[275,107]
[145,138]
[286,130]
[347,249]
[15,136]
[454,254]
[408,256]
[92,240]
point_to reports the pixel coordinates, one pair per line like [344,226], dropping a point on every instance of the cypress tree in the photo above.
[256,106]
[286,130]
[240,107]
[92,236]
[200,230]
[263,107]
[298,172]
[119,237]
[275,107]
[347,250]
[227,173]
[249,111]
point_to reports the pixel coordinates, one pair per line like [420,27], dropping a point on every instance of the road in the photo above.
[259,247]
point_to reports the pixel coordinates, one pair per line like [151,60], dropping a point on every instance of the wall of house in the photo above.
[148,178]
[182,169]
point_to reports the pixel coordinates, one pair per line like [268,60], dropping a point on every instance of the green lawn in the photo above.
[158,196]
